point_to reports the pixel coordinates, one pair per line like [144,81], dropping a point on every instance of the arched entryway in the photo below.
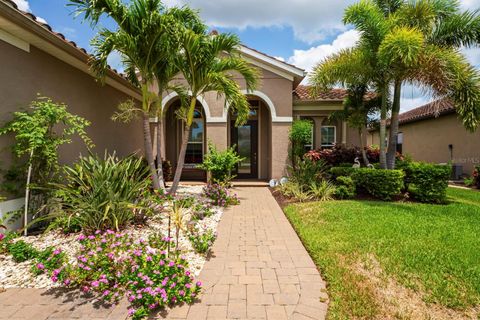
[196,146]
[253,140]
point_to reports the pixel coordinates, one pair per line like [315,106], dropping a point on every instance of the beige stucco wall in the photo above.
[24,74]
[428,141]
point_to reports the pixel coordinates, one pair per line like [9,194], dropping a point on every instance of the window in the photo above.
[329,134]
[194,153]
[400,142]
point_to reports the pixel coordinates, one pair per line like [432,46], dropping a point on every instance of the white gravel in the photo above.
[18,275]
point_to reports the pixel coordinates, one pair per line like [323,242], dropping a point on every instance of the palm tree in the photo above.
[208,62]
[441,28]
[392,50]
[146,37]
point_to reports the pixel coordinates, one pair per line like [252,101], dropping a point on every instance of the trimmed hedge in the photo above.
[342,171]
[382,184]
[427,182]
[345,188]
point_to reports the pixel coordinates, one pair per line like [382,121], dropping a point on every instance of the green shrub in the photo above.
[308,171]
[102,194]
[202,241]
[293,189]
[300,135]
[22,251]
[476,176]
[427,182]
[342,171]
[382,184]
[220,164]
[345,188]
[322,191]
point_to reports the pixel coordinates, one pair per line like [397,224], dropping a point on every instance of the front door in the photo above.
[245,140]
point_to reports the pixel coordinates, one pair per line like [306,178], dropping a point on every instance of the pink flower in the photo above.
[199,283]
[95,284]
[40,266]
[54,278]
[57,252]
[81,237]
[106,292]
[66,282]
[2,236]
[131,311]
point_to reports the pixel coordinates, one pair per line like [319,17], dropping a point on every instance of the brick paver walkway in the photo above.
[259,270]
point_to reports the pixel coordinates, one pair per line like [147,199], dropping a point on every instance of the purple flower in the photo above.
[66,282]
[199,283]
[131,311]
[54,278]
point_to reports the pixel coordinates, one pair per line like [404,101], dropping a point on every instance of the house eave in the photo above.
[18,25]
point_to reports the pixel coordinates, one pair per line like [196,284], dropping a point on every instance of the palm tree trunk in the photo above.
[160,157]
[392,140]
[181,161]
[383,125]
[183,148]
[362,145]
[159,126]
[147,139]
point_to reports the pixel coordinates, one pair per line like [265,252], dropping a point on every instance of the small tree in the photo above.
[39,132]
[220,164]
[300,135]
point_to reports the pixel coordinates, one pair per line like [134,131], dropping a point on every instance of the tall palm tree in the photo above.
[209,62]
[400,51]
[147,35]
[443,28]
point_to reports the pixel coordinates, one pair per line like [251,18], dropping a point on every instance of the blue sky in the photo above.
[301,32]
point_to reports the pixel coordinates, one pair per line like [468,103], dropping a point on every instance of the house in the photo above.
[36,59]
[434,133]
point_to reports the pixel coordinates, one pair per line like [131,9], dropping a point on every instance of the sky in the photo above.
[301,32]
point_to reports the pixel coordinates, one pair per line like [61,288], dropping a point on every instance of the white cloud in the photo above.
[470,4]
[41,20]
[115,61]
[307,59]
[311,20]
[22,5]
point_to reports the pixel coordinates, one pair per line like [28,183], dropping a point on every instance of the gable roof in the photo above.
[304,93]
[23,25]
[274,65]
[428,111]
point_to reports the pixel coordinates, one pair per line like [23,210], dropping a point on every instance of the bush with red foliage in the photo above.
[341,154]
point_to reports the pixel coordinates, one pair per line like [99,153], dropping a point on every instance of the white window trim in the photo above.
[334,136]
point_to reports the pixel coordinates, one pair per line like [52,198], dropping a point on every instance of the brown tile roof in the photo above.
[305,93]
[60,36]
[431,110]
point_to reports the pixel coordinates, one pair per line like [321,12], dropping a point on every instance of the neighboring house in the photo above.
[433,133]
[36,59]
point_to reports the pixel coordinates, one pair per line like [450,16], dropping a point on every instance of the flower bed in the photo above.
[13,274]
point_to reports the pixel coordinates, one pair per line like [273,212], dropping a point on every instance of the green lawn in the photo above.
[432,249]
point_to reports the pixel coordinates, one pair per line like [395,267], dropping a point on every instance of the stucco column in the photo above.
[217,134]
[344,132]
[280,145]
[317,132]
